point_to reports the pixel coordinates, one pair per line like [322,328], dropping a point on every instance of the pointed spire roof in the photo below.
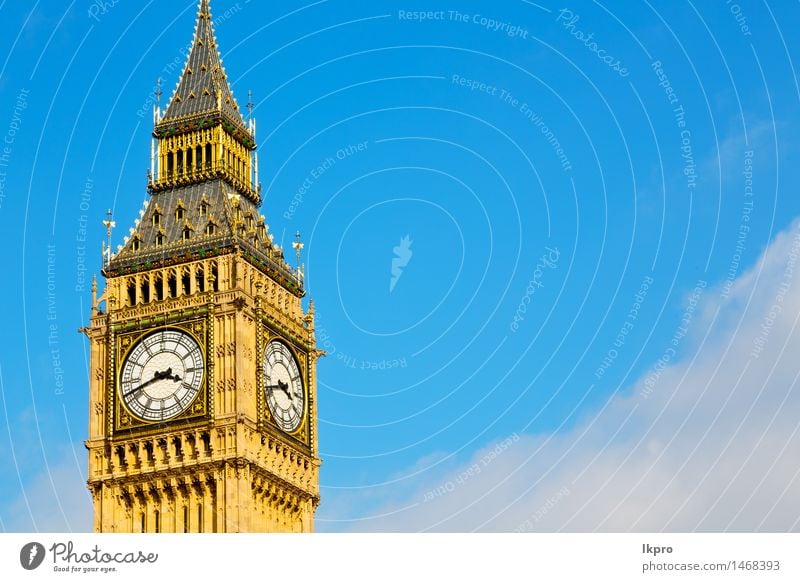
[203,88]
[218,218]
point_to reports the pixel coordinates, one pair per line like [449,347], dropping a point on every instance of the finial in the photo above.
[94,295]
[250,105]
[298,247]
[158,93]
[109,224]
[217,78]
[308,319]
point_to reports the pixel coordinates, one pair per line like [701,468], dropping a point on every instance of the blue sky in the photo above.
[601,203]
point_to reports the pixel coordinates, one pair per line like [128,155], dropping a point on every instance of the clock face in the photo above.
[283,386]
[162,375]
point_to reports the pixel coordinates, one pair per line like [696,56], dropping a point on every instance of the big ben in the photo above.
[202,391]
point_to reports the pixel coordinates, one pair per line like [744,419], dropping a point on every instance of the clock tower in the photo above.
[202,384]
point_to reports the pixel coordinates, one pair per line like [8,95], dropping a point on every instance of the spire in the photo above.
[203,89]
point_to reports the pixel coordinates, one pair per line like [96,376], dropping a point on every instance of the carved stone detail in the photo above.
[180,468]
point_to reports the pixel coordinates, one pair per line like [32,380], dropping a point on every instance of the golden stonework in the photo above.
[182,438]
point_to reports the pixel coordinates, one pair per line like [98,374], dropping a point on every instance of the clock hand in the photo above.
[155,378]
[132,390]
[283,387]
[166,375]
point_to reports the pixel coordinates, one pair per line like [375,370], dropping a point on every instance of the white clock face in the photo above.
[283,386]
[162,375]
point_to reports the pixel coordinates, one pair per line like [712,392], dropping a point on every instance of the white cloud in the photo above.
[714,446]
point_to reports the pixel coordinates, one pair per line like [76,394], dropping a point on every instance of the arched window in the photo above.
[172,284]
[131,292]
[144,290]
[186,282]
[215,275]
[200,284]
[159,287]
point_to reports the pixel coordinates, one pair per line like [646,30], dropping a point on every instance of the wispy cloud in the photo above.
[713,446]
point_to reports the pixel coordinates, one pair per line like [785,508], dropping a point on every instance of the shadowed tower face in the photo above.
[202,391]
